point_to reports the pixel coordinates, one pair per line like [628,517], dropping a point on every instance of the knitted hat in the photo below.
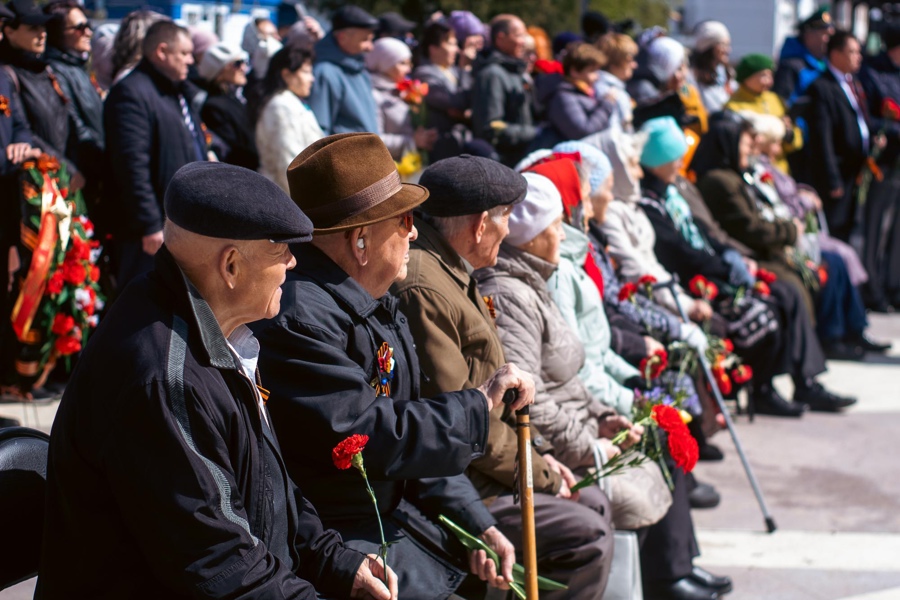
[664,57]
[465,24]
[386,52]
[600,166]
[752,64]
[665,142]
[203,39]
[564,175]
[215,59]
[529,218]
[709,33]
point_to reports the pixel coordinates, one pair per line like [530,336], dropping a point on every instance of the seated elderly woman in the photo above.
[847,311]
[340,360]
[389,63]
[224,69]
[722,164]
[535,334]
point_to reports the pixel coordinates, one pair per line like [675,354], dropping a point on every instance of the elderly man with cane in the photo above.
[165,479]
[340,360]
[460,228]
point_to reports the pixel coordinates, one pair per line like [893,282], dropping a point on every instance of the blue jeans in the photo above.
[840,308]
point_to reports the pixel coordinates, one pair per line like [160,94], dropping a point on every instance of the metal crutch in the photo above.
[717,394]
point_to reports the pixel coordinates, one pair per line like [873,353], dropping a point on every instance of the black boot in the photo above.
[767,401]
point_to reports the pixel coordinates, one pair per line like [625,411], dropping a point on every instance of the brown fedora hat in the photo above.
[349,180]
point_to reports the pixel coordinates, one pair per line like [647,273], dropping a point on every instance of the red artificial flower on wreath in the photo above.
[87,224]
[767,178]
[47,163]
[823,275]
[762,288]
[682,446]
[890,110]
[343,453]
[55,283]
[742,374]
[703,288]
[627,292]
[653,366]
[94,273]
[766,276]
[62,324]
[74,272]
[729,345]
[80,250]
[67,344]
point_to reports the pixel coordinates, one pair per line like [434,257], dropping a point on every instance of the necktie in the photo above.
[189,123]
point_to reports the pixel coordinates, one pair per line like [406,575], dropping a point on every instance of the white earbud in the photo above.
[360,243]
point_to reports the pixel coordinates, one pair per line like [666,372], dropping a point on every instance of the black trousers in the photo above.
[840,212]
[881,238]
[668,547]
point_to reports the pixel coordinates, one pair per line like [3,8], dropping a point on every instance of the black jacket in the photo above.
[13,130]
[163,481]
[880,78]
[147,141]
[44,104]
[835,143]
[226,116]
[319,356]
[85,104]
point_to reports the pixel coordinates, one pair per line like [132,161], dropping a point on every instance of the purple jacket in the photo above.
[575,115]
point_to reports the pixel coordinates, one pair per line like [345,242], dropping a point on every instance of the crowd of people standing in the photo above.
[413,213]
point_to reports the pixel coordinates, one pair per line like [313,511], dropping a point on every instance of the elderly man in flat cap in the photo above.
[165,479]
[340,360]
[460,227]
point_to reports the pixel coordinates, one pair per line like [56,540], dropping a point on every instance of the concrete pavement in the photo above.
[830,480]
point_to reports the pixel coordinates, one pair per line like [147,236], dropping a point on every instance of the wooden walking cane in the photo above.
[526,495]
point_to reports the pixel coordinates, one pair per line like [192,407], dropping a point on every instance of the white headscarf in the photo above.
[709,33]
[664,57]
[386,52]
[621,148]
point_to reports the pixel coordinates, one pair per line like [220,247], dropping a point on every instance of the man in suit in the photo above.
[839,136]
[151,132]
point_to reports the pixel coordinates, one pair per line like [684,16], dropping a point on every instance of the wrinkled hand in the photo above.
[152,243]
[694,337]
[485,568]
[568,478]
[313,28]
[652,345]
[19,153]
[608,448]
[752,266]
[700,311]
[611,426]
[507,377]
[425,138]
[76,182]
[369,581]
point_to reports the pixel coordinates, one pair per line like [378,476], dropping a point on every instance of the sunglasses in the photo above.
[82,27]
[239,64]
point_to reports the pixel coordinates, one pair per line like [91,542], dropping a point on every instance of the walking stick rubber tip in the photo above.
[770,525]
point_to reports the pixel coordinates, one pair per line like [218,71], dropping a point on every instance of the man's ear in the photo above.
[359,240]
[230,266]
[479,225]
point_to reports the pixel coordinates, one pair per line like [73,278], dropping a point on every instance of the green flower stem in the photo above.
[383,552]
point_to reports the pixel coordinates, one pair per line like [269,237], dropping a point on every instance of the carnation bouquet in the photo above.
[413,92]
[59,294]
[890,113]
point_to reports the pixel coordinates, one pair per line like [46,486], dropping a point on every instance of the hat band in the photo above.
[358,202]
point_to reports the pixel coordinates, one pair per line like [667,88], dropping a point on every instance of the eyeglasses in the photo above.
[407,222]
[239,64]
[82,27]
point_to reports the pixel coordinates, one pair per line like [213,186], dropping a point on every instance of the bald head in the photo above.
[508,35]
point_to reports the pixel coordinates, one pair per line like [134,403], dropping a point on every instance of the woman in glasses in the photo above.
[224,70]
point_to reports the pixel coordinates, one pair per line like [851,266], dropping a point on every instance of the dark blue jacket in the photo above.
[880,78]
[13,130]
[319,356]
[163,480]
[147,141]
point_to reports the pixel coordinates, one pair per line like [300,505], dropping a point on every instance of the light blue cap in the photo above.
[599,164]
[665,142]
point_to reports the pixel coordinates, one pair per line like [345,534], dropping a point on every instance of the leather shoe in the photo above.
[821,400]
[720,583]
[704,496]
[683,589]
[766,401]
[711,452]
[867,344]
[839,350]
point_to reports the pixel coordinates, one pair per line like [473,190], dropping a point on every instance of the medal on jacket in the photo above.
[489,302]
[382,381]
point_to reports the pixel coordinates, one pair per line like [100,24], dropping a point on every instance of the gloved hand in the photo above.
[739,275]
[694,337]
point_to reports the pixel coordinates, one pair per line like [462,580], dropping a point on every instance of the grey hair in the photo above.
[450,227]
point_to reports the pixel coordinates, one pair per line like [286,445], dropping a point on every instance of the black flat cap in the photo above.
[393,24]
[27,13]
[224,201]
[468,185]
[352,16]
[5,13]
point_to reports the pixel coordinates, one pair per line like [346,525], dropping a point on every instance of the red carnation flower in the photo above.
[684,450]
[94,273]
[62,324]
[890,110]
[729,345]
[723,381]
[74,272]
[67,344]
[55,283]
[647,280]
[653,366]
[762,288]
[703,288]
[823,275]
[766,276]
[627,292]
[343,453]
[667,417]
[742,374]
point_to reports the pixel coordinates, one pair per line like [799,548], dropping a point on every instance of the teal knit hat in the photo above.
[665,142]
[752,64]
